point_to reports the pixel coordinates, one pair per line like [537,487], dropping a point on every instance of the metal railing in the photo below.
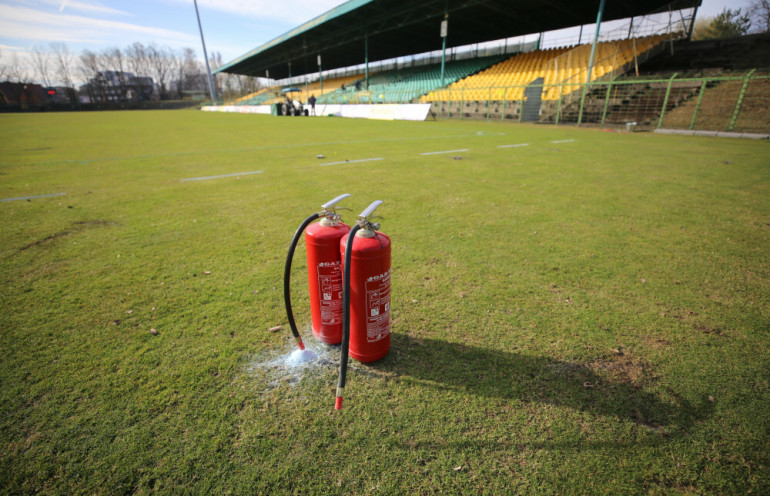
[725,102]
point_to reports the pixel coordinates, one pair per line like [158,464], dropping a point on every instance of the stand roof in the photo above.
[396,28]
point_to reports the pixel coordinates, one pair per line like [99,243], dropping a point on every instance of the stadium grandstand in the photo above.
[608,63]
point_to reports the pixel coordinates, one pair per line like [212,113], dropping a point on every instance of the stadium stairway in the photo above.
[627,101]
[717,106]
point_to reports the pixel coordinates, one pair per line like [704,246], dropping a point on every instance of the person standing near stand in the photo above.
[312,101]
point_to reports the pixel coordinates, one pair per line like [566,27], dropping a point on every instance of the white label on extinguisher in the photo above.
[378,307]
[330,292]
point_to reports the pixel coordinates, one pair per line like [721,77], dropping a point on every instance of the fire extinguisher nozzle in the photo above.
[338,403]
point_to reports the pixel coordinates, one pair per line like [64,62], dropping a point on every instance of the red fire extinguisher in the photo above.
[366,296]
[322,241]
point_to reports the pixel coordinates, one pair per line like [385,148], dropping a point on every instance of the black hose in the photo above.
[345,317]
[287,278]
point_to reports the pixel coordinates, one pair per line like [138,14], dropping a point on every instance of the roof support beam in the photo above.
[591,58]
[366,57]
[599,15]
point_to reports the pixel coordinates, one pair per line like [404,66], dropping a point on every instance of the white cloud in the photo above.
[291,11]
[89,7]
[22,23]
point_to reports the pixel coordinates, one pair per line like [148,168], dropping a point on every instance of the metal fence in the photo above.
[726,102]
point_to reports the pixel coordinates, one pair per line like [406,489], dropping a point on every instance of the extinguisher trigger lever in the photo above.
[369,210]
[329,206]
[329,214]
[364,221]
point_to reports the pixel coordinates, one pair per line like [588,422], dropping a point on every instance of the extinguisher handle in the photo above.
[326,206]
[366,213]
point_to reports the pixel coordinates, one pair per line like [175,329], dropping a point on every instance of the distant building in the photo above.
[23,94]
[117,87]
[58,94]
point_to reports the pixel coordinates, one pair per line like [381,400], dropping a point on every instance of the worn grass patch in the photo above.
[586,314]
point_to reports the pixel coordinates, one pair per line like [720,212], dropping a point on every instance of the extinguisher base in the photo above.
[328,338]
[372,357]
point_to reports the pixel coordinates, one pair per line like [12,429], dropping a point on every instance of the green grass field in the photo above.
[587,314]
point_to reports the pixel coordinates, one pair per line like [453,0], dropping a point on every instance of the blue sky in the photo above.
[231,27]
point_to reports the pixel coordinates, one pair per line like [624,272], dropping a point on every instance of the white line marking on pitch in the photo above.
[445,151]
[563,141]
[223,175]
[31,197]
[513,146]
[353,161]
[269,147]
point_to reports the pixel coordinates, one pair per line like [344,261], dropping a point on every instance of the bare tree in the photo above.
[116,62]
[231,86]
[176,61]
[215,60]
[159,61]
[224,85]
[138,63]
[90,67]
[136,56]
[3,67]
[759,11]
[41,61]
[248,84]
[188,73]
[18,70]
[241,83]
[64,62]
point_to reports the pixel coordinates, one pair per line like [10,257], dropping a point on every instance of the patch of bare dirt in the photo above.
[623,368]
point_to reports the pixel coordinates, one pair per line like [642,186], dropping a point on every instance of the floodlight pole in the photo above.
[212,88]
[444,29]
[320,74]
